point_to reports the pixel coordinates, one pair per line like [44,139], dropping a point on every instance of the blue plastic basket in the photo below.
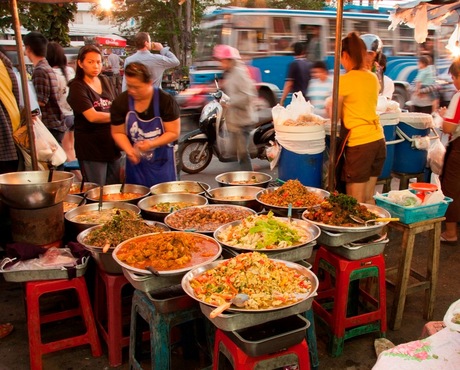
[409,215]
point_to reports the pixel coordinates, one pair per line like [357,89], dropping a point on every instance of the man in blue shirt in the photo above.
[156,63]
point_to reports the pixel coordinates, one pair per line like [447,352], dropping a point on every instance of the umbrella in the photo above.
[111,40]
[421,14]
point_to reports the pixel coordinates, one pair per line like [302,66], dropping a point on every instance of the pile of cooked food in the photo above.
[336,210]
[308,119]
[264,232]
[206,218]
[124,225]
[168,251]
[100,217]
[250,181]
[291,192]
[114,197]
[167,207]
[268,283]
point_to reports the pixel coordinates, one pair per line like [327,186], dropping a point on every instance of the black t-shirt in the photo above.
[299,73]
[93,141]
[169,109]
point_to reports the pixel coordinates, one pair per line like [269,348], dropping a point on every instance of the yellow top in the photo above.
[359,90]
[7,97]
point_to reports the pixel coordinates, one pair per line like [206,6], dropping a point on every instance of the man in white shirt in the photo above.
[156,63]
[114,62]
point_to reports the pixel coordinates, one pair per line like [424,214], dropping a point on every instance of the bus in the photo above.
[264,37]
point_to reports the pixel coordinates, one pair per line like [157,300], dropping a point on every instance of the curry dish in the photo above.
[291,192]
[167,251]
[120,196]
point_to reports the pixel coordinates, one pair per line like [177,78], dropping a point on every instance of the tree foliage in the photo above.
[52,20]
[296,4]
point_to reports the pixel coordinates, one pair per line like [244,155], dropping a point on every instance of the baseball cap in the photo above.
[225,52]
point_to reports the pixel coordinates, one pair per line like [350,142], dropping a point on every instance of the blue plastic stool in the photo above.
[72,166]
[311,340]
[160,325]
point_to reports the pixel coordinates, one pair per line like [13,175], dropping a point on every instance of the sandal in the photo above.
[5,329]
[444,240]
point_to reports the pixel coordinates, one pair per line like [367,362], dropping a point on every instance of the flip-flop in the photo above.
[448,241]
[5,329]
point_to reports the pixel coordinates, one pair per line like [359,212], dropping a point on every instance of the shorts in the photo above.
[364,161]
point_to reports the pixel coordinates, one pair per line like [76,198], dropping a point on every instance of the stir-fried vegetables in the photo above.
[264,232]
[291,192]
[268,283]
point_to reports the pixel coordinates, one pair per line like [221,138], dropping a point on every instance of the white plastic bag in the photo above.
[436,155]
[404,198]
[47,148]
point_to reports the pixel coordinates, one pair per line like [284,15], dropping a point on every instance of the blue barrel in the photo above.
[389,129]
[307,168]
[408,159]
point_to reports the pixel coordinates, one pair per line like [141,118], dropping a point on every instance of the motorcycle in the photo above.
[212,138]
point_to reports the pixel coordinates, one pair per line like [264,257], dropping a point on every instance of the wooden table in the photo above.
[404,271]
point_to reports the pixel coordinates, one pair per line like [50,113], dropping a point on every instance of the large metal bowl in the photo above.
[113,191]
[74,201]
[283,211]
[73,228]
[76,186]
[191,187]
[31,189]
[105,260]
[146,204]
[243,178]
[236,195]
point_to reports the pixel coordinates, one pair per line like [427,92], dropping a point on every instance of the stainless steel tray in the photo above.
[240,320]
[357,251]
[171,299]
[20,276]
[291,255]
[149,283]
[333,239]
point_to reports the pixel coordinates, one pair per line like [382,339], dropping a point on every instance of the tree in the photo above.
[52,20]
[296,4]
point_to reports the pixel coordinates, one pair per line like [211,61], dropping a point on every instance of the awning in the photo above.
[111,40]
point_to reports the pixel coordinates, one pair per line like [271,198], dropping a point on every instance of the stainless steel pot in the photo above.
[93,194]
[179,187]
[74,199]
[76,186]
[236,195]
[244,178]
[31,189]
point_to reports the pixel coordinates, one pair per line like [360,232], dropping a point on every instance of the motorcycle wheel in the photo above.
[189,159]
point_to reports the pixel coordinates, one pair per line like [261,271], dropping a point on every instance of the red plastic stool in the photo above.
[34,290]
[337,302]
[111,308]
[297,354]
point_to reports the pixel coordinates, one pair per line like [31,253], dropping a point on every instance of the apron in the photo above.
[160,166]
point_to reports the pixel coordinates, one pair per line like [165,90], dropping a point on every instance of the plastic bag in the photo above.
[298,113]
[404,198]
[435,158]
[48,149]
[273,153]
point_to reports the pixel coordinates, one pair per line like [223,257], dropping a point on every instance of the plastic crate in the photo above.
[409,215]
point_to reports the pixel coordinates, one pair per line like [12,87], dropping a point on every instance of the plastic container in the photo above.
[389,130]
[272,336]
[407,158]
[307,168]
[409,215]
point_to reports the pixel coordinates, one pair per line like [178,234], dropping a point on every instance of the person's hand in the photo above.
[157,46]
[144,145]
[133,156]
[442,111]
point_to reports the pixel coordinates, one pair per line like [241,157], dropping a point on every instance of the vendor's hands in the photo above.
[144,145]
[442,111]
[134,156]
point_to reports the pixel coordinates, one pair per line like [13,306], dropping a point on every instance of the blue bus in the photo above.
[263,37]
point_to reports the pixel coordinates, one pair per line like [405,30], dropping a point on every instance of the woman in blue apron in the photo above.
[145,124]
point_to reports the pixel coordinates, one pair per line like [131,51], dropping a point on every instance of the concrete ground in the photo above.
[358,352]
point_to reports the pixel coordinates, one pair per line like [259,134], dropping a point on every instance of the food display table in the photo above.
[426,282]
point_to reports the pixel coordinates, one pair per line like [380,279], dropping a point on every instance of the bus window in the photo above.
[357,25]
[282,25]
[247,41]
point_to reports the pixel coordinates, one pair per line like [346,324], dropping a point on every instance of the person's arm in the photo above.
[171,134]
[451,115]
[168,59]
[93,116]
[286,90]
[40,80]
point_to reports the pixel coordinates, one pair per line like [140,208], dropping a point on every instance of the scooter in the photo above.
[197,147]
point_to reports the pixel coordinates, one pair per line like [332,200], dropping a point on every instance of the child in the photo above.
[426,78]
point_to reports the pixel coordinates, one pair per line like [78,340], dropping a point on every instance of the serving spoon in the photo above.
[238,300]
[205,190]
[359,220]
[153,270]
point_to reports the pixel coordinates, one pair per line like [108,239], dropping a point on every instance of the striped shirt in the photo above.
[318,92]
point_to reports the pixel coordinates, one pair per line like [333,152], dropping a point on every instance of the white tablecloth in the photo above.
[441,351]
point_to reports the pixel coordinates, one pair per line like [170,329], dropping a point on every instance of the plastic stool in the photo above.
[34,290]
[108,311]
[160,325]
[311,340]
[72,165]
[405,177]
[338,286]
[297,354]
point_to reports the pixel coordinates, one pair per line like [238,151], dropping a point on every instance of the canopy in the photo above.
[421,14]
[111,40]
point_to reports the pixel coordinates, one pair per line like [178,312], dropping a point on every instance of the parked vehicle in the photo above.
[212,138]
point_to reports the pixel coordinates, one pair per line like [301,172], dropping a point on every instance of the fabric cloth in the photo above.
[299,73]
[450,177]
[63,88]
[93,141]
[157,63]
[47,90]
[439,351]
[9,110]
[318,91]
[360,90]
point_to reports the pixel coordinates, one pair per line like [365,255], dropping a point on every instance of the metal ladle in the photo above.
[153,270]
[359,220]
[238,300]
